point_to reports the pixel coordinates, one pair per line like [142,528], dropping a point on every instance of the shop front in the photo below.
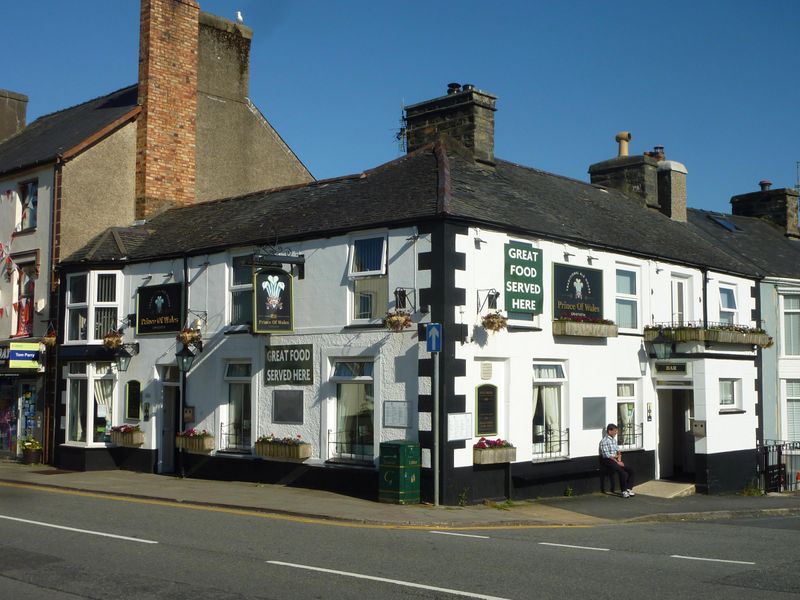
[21,402]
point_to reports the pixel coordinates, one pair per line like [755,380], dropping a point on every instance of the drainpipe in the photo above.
[705,298]
[183,373]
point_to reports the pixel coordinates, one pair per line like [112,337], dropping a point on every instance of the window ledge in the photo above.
[237,329]
[732,411]
[522,326]
[364,326]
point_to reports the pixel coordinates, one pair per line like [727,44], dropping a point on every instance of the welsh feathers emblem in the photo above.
[273,287]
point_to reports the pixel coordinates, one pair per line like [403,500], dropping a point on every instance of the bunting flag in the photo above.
[2,312]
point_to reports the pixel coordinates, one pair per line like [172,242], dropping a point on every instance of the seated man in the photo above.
[612,459]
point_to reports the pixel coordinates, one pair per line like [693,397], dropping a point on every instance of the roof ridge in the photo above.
[74,106]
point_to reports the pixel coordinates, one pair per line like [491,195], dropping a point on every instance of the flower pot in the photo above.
[130,439]
[283,451]
[584,329]
[196,444]
[490,456]
[31,457]
[724,336]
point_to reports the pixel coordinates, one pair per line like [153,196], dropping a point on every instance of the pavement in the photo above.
[654,501]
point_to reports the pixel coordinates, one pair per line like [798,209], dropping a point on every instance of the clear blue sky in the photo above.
[715,82]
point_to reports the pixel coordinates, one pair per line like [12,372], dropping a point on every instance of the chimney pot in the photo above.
[453,88]
[765,184]
[623,137]
[467,87]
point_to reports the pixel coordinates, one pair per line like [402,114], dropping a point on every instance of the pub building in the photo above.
[564,305]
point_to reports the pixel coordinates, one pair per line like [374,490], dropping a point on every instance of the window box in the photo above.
[283,451]
[195,444]
[584,329]
[491,456]
[129,439]
[734,335]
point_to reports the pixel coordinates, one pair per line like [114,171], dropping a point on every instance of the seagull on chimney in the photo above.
[239,17]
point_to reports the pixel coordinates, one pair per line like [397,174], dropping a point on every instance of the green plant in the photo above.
[494,321]
[397,320]
[284,441]
[30,443]
[498,443]
[125,428]
[569,492]
[583,319]
[752,489]
[194,433]
[463,497]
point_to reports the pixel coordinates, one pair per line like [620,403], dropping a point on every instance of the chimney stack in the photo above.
[777,206]
[166,130]
[671,187]
[634,175]
[13,110]
[223,57]
[464,114]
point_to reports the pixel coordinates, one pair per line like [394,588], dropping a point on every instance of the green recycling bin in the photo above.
[399,472]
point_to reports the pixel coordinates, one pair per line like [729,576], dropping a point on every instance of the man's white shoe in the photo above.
[626,494]
[630,492]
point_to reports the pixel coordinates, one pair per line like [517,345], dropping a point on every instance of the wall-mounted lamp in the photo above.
[478,242]
[643,360]
[184,358]
[124,355]
[567,255]
[662,345]
[405,298]
[489,299]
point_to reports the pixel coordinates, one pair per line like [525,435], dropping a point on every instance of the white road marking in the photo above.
[110,535]
[735,562]
[571,546]
[384,580]
[482,537]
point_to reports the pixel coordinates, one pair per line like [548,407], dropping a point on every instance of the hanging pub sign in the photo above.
[523,279]
[577,293]
[159,308]
[272,293]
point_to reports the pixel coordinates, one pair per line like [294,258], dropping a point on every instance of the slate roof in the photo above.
[430,183]
[50,135]
[757,241]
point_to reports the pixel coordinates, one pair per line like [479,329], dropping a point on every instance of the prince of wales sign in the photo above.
[272,297]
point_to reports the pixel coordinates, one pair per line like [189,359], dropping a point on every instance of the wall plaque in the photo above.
[486,409]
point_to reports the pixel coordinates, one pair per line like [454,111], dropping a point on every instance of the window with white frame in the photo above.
[355,410]
[93,305]
[28,204]
[727,305]
[367,272]
[91,388]
[241,289]
[237,433]
[547,429]
[792,410]
[627,299]
[26,285]
[626,413]
[729,394]
[791,325]
[680,300]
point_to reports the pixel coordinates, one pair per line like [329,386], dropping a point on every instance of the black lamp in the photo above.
[662,345]
[124,355]
[184,357]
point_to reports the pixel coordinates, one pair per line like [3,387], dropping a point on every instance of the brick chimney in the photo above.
[13,109]
[634,175]
[464,114]
[672,189]
[166,130]
[778,206]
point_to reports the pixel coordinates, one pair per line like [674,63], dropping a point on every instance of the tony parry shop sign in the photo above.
[23,355]
[272,290]
[159,308]
[292,365]
[577,293]
[523,280]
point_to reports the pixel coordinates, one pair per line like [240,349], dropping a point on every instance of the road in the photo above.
[58,545]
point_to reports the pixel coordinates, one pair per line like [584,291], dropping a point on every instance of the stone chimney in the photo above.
[672,188]
[13,109]
[778,206]
[224,57]
[634,175]
[464,114]
[166,130]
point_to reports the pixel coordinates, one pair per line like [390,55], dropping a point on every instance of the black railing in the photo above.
[779,466]
[550,444]
[347,446]
[234,438]
[631,437]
